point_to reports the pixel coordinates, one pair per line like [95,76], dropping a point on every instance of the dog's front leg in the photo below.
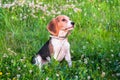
[68,58]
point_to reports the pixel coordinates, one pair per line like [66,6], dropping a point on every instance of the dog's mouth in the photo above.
[70,28]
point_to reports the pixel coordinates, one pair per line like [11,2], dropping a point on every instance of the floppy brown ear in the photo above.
[52,27]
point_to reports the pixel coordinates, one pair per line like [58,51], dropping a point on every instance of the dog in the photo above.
[58,45]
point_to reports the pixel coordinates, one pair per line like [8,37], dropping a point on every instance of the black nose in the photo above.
[72,23]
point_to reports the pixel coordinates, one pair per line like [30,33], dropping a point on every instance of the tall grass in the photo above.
[95,41]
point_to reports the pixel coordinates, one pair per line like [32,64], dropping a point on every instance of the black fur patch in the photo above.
[44,51]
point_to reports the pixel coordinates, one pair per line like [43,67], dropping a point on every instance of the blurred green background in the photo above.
[95,41]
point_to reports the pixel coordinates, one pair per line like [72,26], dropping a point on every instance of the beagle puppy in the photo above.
[58,45]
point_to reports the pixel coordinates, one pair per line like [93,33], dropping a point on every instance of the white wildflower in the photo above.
[82,56]
[103,74]
[53,11]
[21,2]
[76,77]
[85,61]
[77,10]
[72,6]
[11,52]
[88,77]
[8,5]
[58,12]
[112,55]
[33,15]
[117,74]
[7,68]
[18,75]
[5,55]
[31,4]
[98,67]
[19,68]
[47,78]
[21,60]
[12,61]
[24,17]
[21,15]
[57,75]
[30,71]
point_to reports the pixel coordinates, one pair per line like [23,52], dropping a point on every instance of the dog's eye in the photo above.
[63,20]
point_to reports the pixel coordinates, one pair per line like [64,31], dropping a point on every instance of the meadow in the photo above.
[95,41]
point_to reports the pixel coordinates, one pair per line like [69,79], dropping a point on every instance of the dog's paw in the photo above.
[70,64]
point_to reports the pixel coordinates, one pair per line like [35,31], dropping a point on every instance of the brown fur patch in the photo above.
[51,48]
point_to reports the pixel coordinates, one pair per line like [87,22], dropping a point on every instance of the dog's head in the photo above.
[60,25]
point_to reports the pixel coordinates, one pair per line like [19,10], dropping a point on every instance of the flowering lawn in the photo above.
[95,41]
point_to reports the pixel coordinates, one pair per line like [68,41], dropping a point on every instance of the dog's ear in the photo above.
[52,27]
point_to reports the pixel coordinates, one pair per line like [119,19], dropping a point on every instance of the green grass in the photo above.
[95,41]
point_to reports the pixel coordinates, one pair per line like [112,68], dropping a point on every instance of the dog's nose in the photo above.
[72,23]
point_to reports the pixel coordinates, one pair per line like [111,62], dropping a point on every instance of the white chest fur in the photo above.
[60,48]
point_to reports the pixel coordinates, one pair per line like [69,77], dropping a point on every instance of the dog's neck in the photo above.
[58,37]
[61,36]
